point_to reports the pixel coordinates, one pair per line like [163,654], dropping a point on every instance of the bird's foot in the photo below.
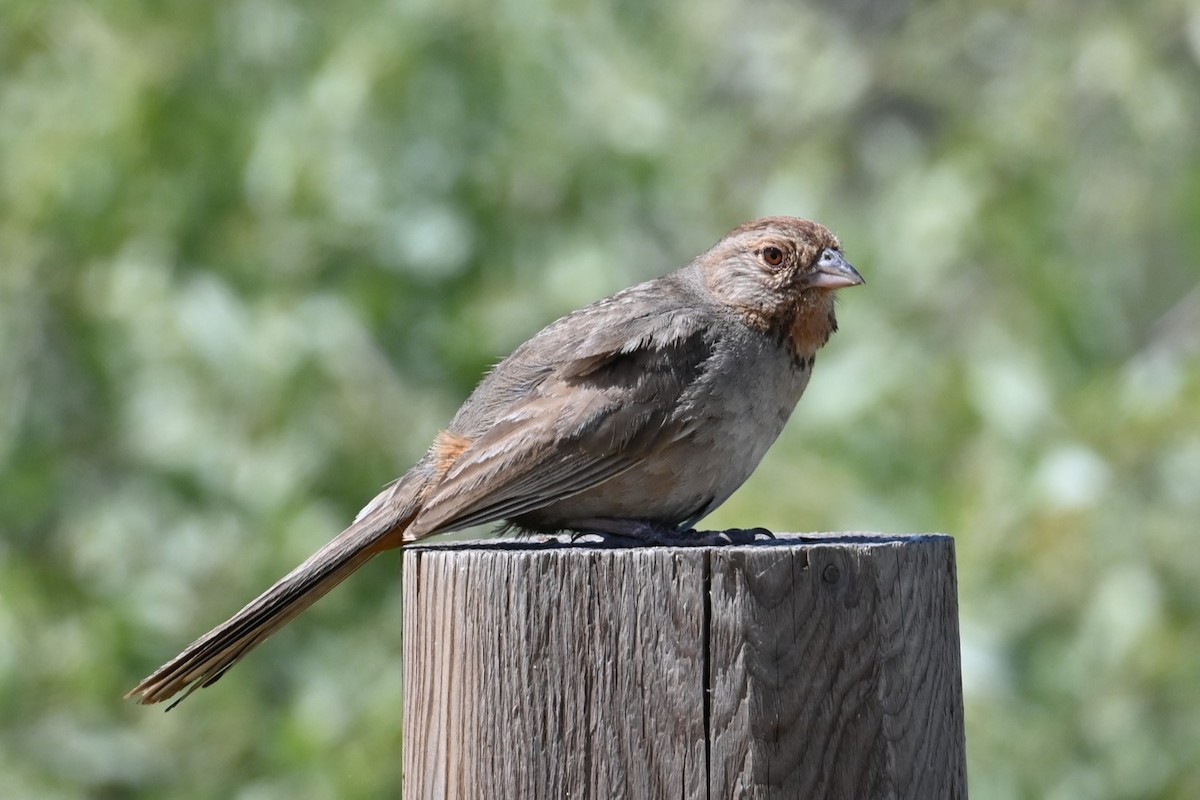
[741,535]
[633,533]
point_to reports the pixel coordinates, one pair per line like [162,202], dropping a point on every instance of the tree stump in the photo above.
[811,666]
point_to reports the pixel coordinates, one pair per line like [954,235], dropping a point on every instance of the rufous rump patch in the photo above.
[447,448]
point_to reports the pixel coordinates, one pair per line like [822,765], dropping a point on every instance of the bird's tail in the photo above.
[209,657]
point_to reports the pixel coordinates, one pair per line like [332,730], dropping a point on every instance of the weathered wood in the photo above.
[811,666]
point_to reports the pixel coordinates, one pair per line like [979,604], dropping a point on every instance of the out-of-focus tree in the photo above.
[253,254]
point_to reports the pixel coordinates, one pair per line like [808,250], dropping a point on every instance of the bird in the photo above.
[632,418]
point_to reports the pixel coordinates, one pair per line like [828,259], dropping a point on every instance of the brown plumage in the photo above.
[635,416]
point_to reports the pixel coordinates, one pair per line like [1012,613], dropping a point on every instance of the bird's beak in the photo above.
[833,272]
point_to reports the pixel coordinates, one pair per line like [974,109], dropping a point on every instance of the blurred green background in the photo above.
[253,255]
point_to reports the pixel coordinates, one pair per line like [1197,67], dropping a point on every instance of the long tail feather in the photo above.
[210,656]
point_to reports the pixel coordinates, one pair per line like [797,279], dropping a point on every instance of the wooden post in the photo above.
[822,666]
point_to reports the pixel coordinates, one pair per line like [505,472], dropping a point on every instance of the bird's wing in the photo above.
[565,413]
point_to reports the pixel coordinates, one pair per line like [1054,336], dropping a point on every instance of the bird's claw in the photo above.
[648,533]
[743,535]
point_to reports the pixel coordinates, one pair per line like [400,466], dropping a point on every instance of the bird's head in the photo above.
[780,274]
[765,267]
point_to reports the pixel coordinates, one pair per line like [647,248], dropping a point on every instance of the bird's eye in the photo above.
[773,256]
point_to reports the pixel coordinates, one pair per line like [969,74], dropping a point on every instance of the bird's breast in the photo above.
[727,420]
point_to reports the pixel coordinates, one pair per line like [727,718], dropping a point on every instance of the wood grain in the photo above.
[835,671]
[818,666]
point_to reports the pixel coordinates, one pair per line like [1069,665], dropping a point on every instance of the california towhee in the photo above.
[633,417]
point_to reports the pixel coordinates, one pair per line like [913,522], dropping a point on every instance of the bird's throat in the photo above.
[811,324]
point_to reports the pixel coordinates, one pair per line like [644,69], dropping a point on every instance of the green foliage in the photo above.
[253,254]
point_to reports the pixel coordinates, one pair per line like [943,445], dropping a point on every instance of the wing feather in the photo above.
[599,407]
